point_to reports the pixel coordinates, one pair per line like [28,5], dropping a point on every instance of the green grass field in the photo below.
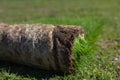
[97,58]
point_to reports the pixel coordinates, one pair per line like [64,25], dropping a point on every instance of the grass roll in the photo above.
[44,46]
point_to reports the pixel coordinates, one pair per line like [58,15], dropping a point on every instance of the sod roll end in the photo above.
[44,46]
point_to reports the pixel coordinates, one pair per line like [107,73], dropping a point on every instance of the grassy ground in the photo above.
[93,15]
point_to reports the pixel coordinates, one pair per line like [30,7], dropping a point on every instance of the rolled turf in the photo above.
[45,46]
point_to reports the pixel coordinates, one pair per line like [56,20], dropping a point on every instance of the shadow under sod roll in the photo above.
[45,46]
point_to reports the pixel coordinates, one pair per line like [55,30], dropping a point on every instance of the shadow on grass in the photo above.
[28,72]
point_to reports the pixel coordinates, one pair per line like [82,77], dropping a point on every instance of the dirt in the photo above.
[63,43]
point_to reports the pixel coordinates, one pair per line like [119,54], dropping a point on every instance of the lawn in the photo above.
[97,57]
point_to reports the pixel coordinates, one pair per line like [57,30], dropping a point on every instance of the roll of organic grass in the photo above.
[45,46]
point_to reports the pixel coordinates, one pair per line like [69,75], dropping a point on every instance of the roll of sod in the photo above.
[45,46]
